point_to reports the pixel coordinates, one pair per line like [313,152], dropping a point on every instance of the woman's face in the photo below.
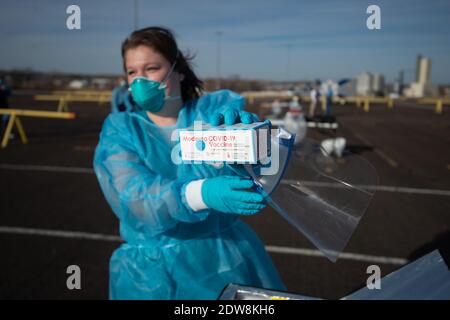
[143,61]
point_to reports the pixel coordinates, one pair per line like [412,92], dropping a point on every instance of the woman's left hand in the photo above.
[231,116]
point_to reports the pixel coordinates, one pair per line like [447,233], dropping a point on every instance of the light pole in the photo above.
[136,15]
[219,34]
[288,65]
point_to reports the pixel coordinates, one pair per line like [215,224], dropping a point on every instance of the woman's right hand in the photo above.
[225,194]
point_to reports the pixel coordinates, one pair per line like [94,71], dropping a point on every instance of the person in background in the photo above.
[314,95]
[294,104]
[329,99]
[276,108]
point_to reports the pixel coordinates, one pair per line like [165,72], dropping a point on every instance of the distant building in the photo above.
[423,69]
[378,84]
[348,88]
[364,84]
[368,84]
[444,90]
[100,83]
[77,84]
[422,86]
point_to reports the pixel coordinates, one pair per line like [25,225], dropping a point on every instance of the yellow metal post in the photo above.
[439,106]
[390,103]
[65,97]
[106,98]
[14,115]
[62,106]
[324,103]
[38,113]
[366,105]
[101,99]
[22,134]
[8,130]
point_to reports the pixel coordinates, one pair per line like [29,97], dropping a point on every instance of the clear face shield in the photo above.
[322,197]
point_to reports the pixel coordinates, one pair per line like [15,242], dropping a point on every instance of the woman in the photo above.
[183,238]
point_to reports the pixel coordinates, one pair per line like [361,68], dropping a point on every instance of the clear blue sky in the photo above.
[328,39]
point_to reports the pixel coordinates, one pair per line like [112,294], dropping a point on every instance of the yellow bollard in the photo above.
[324,103]
[438,106]
[63,105]
[390,103]
[8,130]
[22,134]
[366,105]
[15,114]
[65,98]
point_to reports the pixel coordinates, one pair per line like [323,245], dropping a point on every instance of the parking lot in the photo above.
[53,214]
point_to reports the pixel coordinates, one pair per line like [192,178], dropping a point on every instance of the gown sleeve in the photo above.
[138,196]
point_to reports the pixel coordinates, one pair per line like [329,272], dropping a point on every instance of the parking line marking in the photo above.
[269,248]
[60,234]
[435,192]
[25,167]
[379,152]
[342,256]
[84,148]
[388,159]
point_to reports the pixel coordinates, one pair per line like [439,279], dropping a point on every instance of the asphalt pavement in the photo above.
[53,214]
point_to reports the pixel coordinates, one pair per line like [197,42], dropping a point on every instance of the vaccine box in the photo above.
[238,143]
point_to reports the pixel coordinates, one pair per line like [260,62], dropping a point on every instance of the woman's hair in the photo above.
[163,41]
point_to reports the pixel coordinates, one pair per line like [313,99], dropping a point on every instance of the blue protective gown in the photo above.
[170,251]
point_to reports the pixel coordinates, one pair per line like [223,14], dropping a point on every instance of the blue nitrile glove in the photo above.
[225,194]
[231,116]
